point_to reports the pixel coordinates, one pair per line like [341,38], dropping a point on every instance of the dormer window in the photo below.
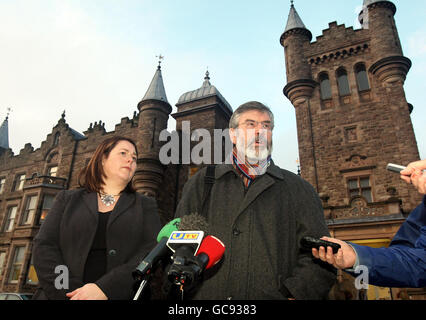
[56,138]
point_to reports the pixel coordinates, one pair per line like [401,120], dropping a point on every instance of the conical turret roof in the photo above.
[294,21]
[156,89]
[4,134]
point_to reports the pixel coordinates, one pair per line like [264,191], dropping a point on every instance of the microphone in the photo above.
[191,257]
[194,221]
[185,244]
[167,230]
[210,252]
[192,228]
[187,269]
[160,250]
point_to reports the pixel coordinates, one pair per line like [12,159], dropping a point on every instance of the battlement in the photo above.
[338,41]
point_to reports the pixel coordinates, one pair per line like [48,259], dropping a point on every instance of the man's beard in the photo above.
[255,156]
[252,154]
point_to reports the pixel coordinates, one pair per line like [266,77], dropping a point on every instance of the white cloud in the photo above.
[55,57]
[417,43]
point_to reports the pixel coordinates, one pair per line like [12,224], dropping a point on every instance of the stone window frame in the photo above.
[2,184]
[7,218]
[56,139]
[340,72]
[360,174]
[324,76]
[358,68]
[23,217]
[41,212]
[18,180]
[3,252]
[49,168]
[13,264]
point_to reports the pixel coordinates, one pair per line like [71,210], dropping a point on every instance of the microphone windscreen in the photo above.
[168,229]
[213,248]
[193,222]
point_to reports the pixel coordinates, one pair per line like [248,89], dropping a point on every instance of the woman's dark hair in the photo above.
[92,177]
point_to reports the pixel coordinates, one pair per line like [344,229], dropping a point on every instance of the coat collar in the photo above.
[259,185]
[272,170]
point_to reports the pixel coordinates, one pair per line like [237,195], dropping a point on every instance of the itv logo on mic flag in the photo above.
[188,235]
[191,238]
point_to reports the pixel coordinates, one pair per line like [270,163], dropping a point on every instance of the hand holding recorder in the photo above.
[343,259]
[415,173]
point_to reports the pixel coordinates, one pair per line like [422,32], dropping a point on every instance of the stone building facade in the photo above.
[352,120]
[31,179]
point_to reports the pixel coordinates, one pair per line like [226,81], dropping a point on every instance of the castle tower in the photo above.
[294,40]
[203,108]
[352,119]
[154,111]
[378,17]
[300,86]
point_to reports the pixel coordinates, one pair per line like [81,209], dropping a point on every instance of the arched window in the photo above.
[325,86]
[361,77]
[342,82]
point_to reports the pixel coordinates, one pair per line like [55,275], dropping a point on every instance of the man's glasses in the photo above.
[251,124]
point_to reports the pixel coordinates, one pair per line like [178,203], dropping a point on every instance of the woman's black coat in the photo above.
[66,236]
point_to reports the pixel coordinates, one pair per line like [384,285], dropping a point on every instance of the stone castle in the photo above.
[352,119]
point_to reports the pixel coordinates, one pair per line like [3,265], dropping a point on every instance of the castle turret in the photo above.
[154,111]
[300,87]
[294,40]
[352,120]
[378,17]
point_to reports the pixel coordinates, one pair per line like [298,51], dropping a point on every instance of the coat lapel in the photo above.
[91,201]
[124,202]
[260,185]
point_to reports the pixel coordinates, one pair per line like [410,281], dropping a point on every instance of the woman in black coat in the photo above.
[94,237]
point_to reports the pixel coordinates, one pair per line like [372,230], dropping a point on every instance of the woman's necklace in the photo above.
[107,199]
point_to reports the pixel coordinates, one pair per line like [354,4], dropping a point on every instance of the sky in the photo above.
[95,59]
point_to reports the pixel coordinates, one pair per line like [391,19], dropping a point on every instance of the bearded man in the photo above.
[260,212]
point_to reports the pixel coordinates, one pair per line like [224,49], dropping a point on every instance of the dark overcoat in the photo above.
[66,236]
[261,228]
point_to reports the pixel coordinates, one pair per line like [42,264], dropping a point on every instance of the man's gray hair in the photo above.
[249,106]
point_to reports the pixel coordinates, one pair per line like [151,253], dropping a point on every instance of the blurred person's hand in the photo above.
[343,259]
[415,174]
[89,291]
